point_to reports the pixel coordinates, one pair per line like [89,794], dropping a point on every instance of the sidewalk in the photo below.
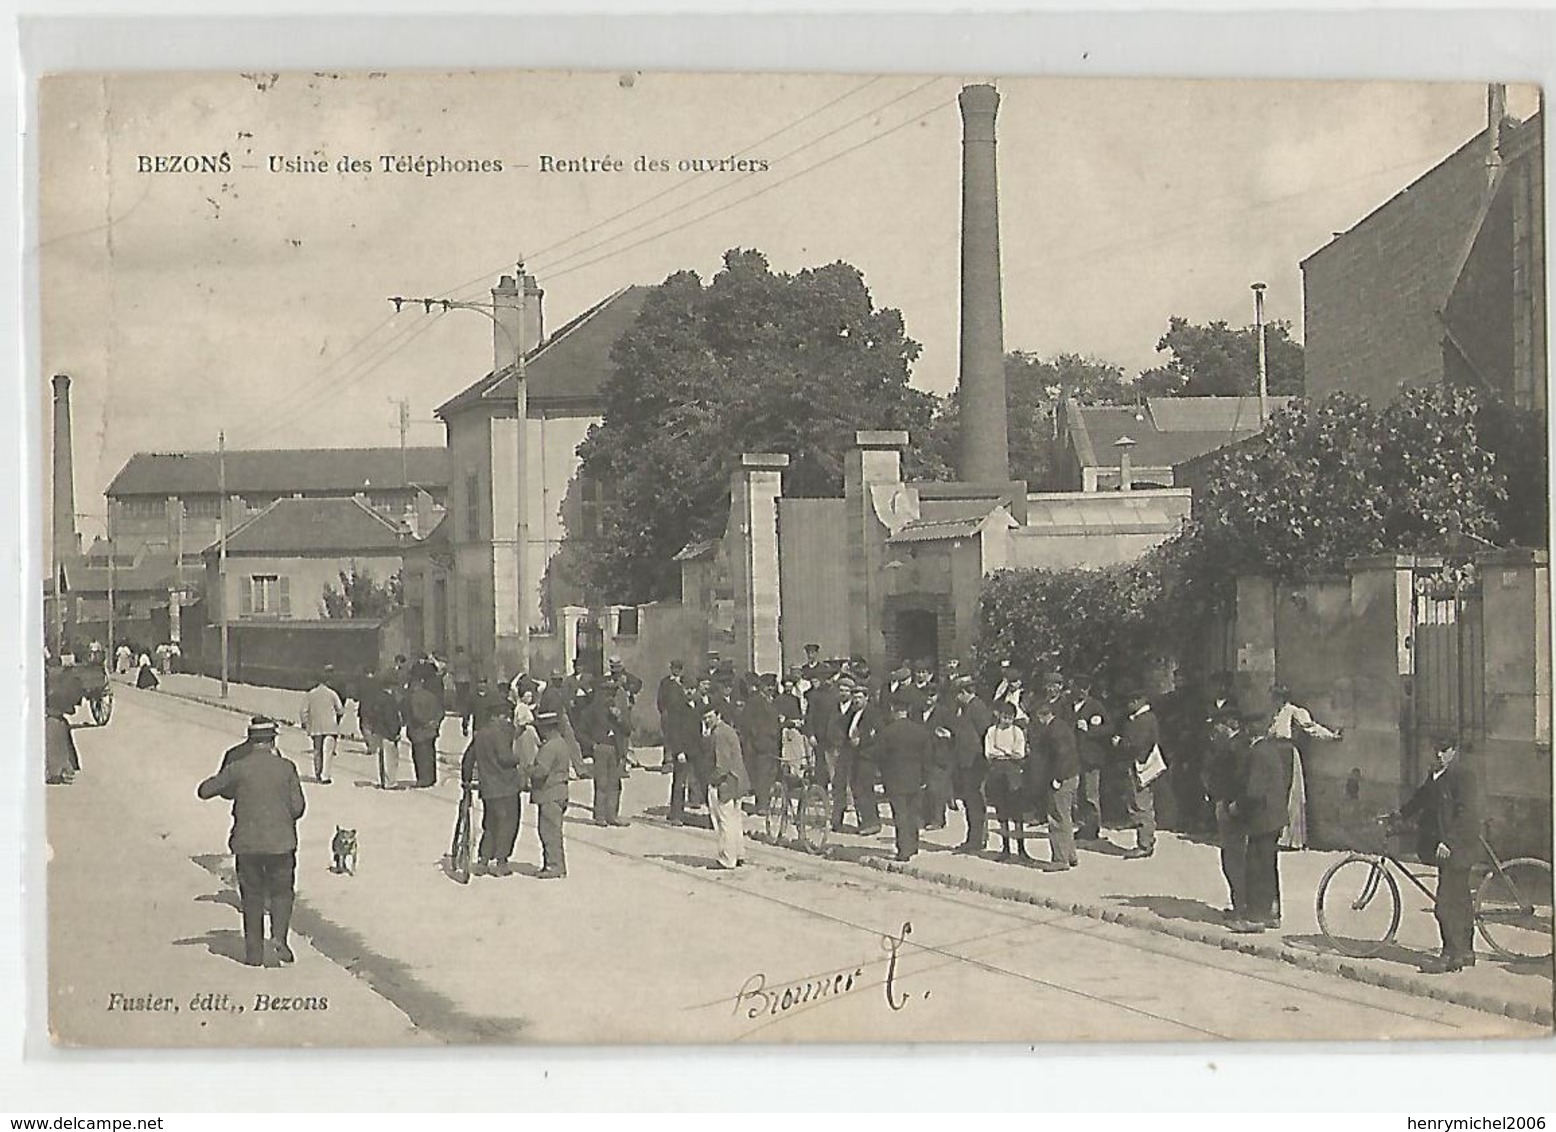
[1179,891]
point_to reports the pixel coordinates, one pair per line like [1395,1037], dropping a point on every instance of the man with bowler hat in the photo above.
[267,802]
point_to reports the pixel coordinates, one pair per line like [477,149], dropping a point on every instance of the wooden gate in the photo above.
[1448,653]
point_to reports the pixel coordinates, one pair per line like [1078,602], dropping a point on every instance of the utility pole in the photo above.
[221,571]
[111,556]
[521,417]
[1258,322]
[404,404]
[521,407]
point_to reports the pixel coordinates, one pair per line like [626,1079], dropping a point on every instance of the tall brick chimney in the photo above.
[984,455]
[67,543]
[507,333]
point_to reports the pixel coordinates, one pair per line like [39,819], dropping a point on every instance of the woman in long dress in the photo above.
[1289,719]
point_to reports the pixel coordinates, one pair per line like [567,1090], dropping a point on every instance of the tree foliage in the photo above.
[1328,482]
[1033,387]
[360,595]
[1107,623]
[1217,360]
[753,360]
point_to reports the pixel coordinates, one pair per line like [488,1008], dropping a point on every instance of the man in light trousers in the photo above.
[727,786]
[321,716]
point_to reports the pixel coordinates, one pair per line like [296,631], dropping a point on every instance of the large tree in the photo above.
[753,360]
[1033,386]
[1218,360]
[361,595]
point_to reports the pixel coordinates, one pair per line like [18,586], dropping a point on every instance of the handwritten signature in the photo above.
[756,998]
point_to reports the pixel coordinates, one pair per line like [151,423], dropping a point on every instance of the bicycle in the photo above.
[799,800]
[1359,903]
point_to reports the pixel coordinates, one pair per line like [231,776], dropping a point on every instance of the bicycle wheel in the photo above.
[774,810]
[1358,905]
[102,708]
[815,818]
[1513,909]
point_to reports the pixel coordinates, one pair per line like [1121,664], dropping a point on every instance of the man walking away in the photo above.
[379,711]
[1260,810]
[1449,812]
[1137,739]
[726,786]
[492,762]
[1059,760]
[321,716]
[425,715]
[971,724]
[267,802]
[548,791]
[906,747]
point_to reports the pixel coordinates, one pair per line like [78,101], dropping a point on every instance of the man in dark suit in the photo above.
[1057,758]
[1260,812]
[968,727]
[1225,767]
[267,803]
[813,669]
[597,734]
[758,733]
[822,712]
[905,748]
[1094,733]
[940,777]
[1449,812]
[857,766]
[679,727]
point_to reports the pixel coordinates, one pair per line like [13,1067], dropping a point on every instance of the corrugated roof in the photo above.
[279,471]
[571,365]
[316,526]
[920,531]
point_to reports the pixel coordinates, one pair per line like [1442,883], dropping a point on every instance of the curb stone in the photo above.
[1389,980]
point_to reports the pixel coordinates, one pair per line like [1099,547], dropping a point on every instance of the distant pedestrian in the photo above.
[124,660]
[858,767]
[267,803]
[146,676]
[727,785]
[1449,810]
[759,737]
[679,726]
[1289,721]
[379,713]
[556,699]
[463,673]
[424,715]
[940,775]
[321,716]
[548,791]
[491,762]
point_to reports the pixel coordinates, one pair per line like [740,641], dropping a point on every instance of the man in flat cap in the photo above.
[267,802]
[548,791]
[813,670]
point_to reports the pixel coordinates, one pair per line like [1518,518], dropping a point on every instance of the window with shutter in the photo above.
[284,605]
[245,597]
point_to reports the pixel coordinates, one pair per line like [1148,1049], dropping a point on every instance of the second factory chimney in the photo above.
[67,543]
[984,455]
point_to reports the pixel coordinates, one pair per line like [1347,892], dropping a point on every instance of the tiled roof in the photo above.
[569,366]
[153,572]
[1166,430]
[316,526]
[279,471]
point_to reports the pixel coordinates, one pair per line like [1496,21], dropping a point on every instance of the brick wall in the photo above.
[1371,297]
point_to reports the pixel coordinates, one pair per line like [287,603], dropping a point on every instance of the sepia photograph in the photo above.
[632,558]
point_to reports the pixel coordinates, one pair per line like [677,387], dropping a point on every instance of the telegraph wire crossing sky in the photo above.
[255,302]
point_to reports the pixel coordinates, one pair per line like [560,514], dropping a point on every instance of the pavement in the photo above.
[1176,893]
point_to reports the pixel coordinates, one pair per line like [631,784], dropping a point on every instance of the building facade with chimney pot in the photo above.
[1444,282]
[462,582]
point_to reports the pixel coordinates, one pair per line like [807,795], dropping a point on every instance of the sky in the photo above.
[254,302]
